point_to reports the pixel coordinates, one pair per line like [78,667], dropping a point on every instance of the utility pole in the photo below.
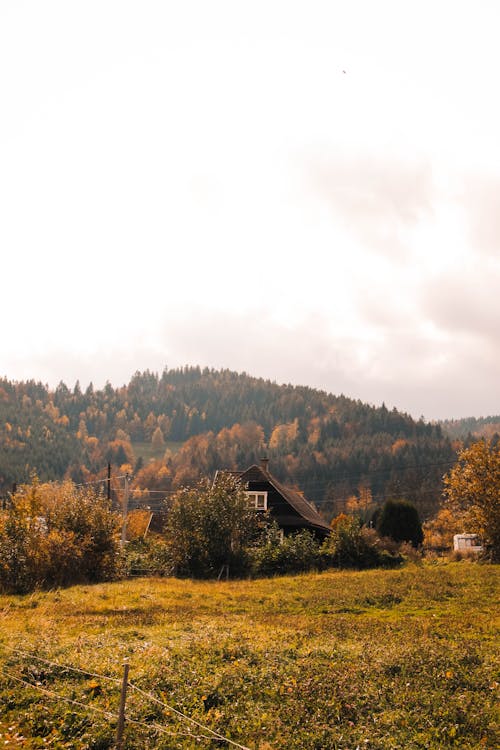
[108,488]
[125,509]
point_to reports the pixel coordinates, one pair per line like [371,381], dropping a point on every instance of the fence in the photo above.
[191,728]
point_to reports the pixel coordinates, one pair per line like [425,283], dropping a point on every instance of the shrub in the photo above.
[399,520]
[210,526]
[351,545]
[296,553]
[150,556]
[439,531]
[55,535]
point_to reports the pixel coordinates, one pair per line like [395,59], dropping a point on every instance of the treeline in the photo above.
[469,429]
[338,450]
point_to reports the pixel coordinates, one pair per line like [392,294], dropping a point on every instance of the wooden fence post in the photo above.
[121,711]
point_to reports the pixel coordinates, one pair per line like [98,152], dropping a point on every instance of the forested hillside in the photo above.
[344,454]
[472,427]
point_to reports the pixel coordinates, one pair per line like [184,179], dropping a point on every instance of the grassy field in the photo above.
[345,660]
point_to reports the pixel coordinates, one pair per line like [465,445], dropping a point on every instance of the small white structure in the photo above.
[468,543]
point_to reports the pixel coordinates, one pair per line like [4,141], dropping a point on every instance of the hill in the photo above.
[341,452]
[471,427]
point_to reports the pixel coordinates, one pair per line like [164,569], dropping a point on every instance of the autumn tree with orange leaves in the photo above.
[472,490]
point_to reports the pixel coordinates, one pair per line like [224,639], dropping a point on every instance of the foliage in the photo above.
[138,521]
[148,557]
[439,531]
[400,521]
[472,489]
[55,535]
[210,526]
[352,545]
[343,450]
[395,659]
[481,427]
[296,553]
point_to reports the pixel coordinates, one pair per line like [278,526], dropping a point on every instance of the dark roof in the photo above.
[295,498]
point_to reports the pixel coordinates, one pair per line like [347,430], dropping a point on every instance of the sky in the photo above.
[306,191]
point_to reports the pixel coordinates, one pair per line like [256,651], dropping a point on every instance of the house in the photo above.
[288,507]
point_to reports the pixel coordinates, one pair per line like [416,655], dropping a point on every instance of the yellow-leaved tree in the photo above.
[472,490]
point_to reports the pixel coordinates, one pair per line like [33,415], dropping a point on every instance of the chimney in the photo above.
[264,464]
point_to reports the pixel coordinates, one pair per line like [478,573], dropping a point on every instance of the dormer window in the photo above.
[257,500]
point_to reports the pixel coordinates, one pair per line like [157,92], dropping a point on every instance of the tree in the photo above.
[157,440]
[439,531]
[472,490]
[209,526]
[400,521]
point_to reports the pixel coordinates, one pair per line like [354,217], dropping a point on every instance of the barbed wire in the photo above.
[157,727]
[52,694]
[64,667]
[214,734]
[107,714]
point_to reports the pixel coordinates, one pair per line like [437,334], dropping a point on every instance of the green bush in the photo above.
[351,545]
[150,556]
[210,527]
[399,520]
[296,553]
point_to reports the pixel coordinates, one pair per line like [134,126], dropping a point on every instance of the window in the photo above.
[258,500]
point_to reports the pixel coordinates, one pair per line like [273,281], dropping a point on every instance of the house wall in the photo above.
[287,517]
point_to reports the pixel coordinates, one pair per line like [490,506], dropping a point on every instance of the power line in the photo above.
[387,470]
[338,476]
[99,481]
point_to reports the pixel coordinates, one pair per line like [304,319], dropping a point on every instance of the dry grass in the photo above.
[376,659]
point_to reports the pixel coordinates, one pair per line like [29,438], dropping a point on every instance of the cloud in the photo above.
[481,200]
[403,365]
[254,342]
[465,302]
[378,200]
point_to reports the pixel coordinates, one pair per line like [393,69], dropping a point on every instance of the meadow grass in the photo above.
[343,660]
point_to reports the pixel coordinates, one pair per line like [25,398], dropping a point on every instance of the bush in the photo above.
[351,545]
[56,535]
[296,553]
[209,527]
[150,556]
[400,521]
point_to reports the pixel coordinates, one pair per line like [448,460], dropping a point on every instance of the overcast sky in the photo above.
[307,191]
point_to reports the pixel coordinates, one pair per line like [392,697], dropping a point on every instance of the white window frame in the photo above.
[253,497]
